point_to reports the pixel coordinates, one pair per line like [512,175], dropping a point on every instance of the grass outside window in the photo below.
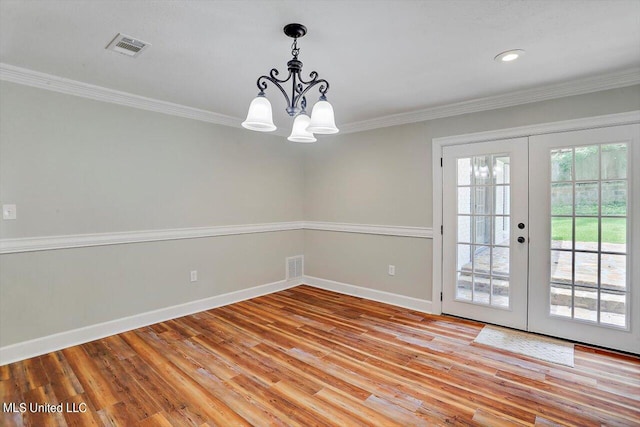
[614,230]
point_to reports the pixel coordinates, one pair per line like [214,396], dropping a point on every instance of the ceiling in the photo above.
[380,57]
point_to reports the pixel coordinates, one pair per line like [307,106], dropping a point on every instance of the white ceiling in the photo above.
[380,57]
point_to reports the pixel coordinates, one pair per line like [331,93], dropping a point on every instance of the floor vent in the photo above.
[295,267]
[127,45]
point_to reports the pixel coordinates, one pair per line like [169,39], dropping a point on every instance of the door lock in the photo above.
[521,226]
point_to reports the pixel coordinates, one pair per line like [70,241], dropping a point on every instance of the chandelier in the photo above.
[260,117]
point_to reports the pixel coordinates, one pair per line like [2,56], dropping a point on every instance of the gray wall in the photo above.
[77,166]
[383,176]
[74,166]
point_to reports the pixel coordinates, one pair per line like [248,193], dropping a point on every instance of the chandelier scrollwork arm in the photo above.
[262,84]
[299,89]
[324,87]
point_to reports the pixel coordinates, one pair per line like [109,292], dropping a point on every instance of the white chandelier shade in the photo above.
[260,116]
[299,133]
[322,118]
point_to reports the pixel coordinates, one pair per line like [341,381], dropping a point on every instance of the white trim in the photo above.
[36,347]
[386,230]
[30,244]
[436,283]
[45,81]
[558,90]
[618,119]
[516,132]
[43,243]
[368,293]
[53,83]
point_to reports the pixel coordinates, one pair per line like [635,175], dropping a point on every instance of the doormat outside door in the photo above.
[539,347]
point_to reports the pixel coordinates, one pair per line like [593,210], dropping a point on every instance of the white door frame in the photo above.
[630,117]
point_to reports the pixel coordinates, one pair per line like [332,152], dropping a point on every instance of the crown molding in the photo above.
[618,119]
[45,81]
[558,90]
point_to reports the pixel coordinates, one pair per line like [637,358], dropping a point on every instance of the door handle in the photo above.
[521,239]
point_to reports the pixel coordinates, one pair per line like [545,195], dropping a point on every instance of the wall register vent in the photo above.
[295,267]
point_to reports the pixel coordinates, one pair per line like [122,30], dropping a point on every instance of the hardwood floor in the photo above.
[310,357]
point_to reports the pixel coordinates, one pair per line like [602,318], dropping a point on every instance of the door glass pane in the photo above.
[586,269]
[501,229]
[482,200]
[463,287]
[587,198]
[481,287]
[464,229]
[483,230]
[500,262]
[501,169]
[500,292]
[481,259]
[614,272]
[587,163]
[614,198]
[585,302]
[613,308]
[562,199]
[561,267]
[561,165]
[464,257]
[481,170]
[502,199]
[483,185]
[464,200]
[614,234]
[464,171]
[587,233]
[561,303]
[589,239]
[561,232]
[614,161]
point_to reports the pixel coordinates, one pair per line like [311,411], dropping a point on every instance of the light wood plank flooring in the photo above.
[311,357]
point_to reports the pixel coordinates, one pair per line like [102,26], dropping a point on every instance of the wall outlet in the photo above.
[392,270]
[9,212]
[194,275]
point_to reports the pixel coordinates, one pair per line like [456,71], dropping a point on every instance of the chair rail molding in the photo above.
[44,243]
[386,230]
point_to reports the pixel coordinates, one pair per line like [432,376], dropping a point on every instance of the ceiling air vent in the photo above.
[127,45]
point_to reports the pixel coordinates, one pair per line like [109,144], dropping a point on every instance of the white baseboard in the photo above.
[36,347]
[372,294]
[39,346]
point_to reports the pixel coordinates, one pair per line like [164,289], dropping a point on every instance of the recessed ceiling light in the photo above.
[509,55]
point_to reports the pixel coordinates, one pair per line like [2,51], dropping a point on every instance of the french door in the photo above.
[485,220]
[539,234]
[584,274]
